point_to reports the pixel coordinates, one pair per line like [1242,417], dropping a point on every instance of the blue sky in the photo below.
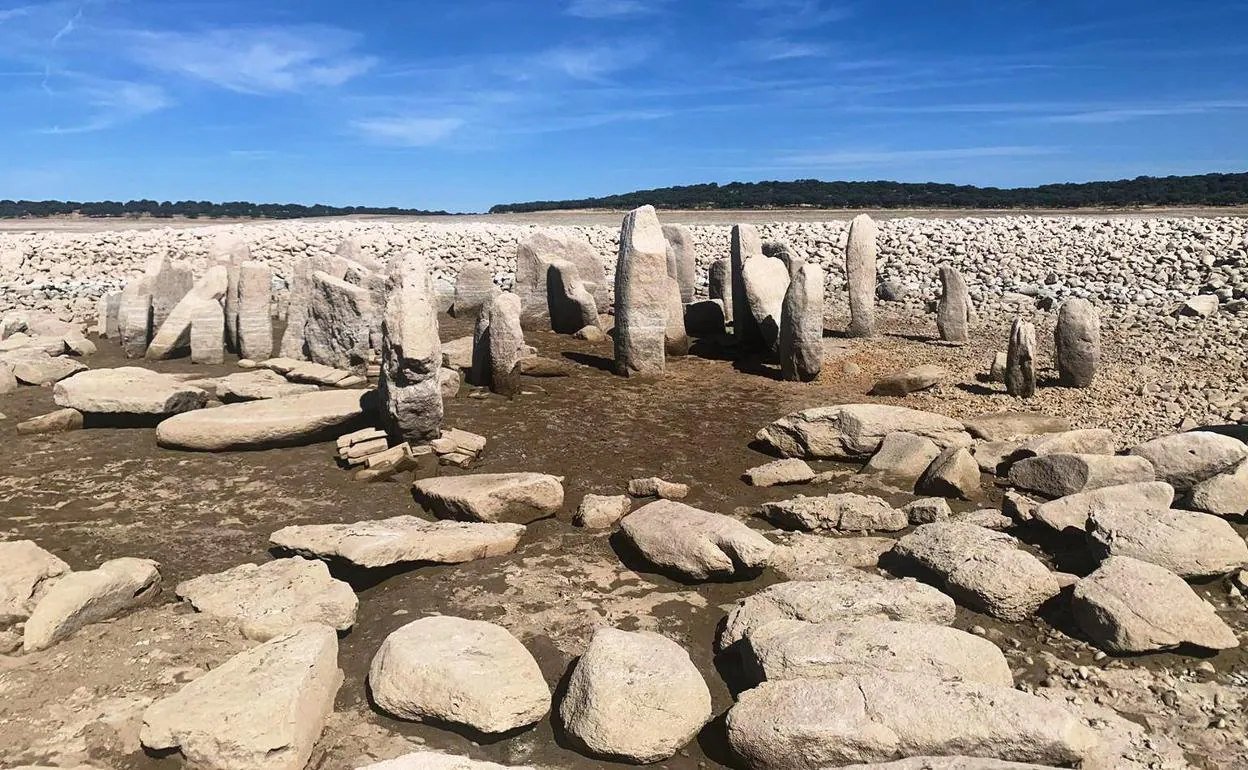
[461,104]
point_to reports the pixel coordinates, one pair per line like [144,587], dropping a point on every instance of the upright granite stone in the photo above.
[746,244]
[134,317]
[533,258]
[172,281]
[1078,343]
[801,325]
[498,346]
[1020,367]
[860,267]
[641,304]
[208,332]
[173,338]
[411,353]
[338,328]
[682,259]
[571,302]
[253,321]
[719,285]
[766,283]
[301,287]
[474,288]
[675,336]
[232,254]
[953,312]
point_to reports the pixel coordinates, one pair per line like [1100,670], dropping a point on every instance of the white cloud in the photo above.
[609,9]
[408,131]
[592,62]
[882,156]
[781,49]
[110,102]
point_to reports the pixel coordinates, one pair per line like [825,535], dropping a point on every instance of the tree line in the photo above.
[189,209]
[1202,190]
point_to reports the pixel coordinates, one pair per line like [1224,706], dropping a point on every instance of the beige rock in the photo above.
[1059,475]
[259,385]
[641,307]
[208,333]
[902,458]
[533,259]
[855,431]
[911,380]
[954,473]
[173,337]
[492,497]
[844,512]
[81,598]
[695,544]
[779,472]
[411,385]
[338,329]
[1002,426]
[1225,494]
[656,487]
[1186,459]
[41,369]
[861,254]
[801,556]
[26,573]
[1188,544]
[60,421]
[601,512]
[288,421]
[1072,511]
[402,539]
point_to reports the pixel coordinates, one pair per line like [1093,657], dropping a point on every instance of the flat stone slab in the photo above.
[1002,426]
[844,512]
[44,370]
[81,598]
[774,474]
[432,760]
[802,556]
[696,544]
[948,763]
[400,540]
[855,431]
[289,421]
[1059,475]
[1072,511]
[26,573]
[263,709]
[1188,544]
[492,497]
[259,385]
[272,599]
[128,390]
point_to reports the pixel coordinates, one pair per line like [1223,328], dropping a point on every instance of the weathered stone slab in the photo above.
[843,512]
[1077,343]
[641,290]
[572,305]
[492,497]
[861,253]
[258,385]
[1072,511]
[801,556]
[766,282]
[60,421]
[1002,426]
[695,544]
[1191,545]
[173,337]
[208,333]
[746,245]
[253,320]
[1020,367]
[533,259]
[78,599]
[474,288]
[26,573]
[855,431]
[719,285]
[128,390]
[1186,459]
[1059,475]
[400,540]
[288,421]
[801,324]
[953,312]
[339,322]
[912,380]
[682,259]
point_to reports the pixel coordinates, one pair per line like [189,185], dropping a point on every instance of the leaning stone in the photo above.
[766,282]
[1186,459]
[810,724]
[26,573]
[682,259]
[855,431]
[705,318]
[778,472]
[911,380]
[656,487]
[953,312]
[410,386]
[400,540]
[1020,368]
[641,291]
[720,285]
[1077,343]
[954,473]
[492,497]
[60,421]
[861,253]
[801,556]
[928,510]
[533,259]
[294,342]
[173,337]
[40,370]
[274,598]
[253,320]
[1191,545]
[263,709]
[1131,606]
[208,333]
[458,671]
[745,244]
[572,305]
[902,458]
[851,595]
[984,569]
[792,649]
[1225,494]
[338,330]
[601,512]
[1072,511]
[695,544]
[844,512]
[172,280]
[81,598]
[289,421]
[801,325]
[1002,426]
[1059,475]
[634,696]
[128,390]
[474,288]
[996,369]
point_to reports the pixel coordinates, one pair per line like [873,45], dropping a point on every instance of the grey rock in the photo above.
[1059,475]
[1020,368]
[492,497]
[801,324]
[954,473]
[855,431]
[258,385]
[682,259]
[861,253]
[1088,441]
[720,285]
[208,333]
[289,421]
[1225,494]
[26,573]
[1077,343]
[128,390]
[170,282]
[1191,545]
[953,313]
[134,317]
[1002,426]
[745,244]
[60,421]
[410,387]
[81,598]
[253,320]
[338,329]
[474,288]
[844,512]
[498,346]
[572,305]
[766,282]
[641,296]
[779,472]
[533,258]
[1072,511]
[802,556]
[602,511]
[173,337]
[400,540]
[928,510]
[1186,459]
[695,544]
[706,318]
[902,458]
[911,380]
[39,369]
[675,336]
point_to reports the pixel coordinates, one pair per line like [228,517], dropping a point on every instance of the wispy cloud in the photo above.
[884,156]
[1125,114]
[611,9]
[593,62]
[781,49]
[109,103]
[1064,112]
[786,15]
[407,131]
[255,60]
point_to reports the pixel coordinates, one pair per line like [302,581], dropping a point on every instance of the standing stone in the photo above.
[301,286]
[746,244]
[338,328]
[172,281]
[1020,367]
[411,354]
[641,304]
[766,282]
[860,258]
[173,338]
[208,333]
[474,288]
[676,337]
[498,346]
[572,305]
[253,322]
[801,325]
[720,285]
[134,317]
[232,254]
[953,313]
[681,259]
[1078,343]
[533,259]
[112,320]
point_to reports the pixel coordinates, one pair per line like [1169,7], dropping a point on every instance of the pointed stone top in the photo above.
[642,233]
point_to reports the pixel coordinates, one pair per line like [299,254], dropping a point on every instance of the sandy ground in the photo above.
[105,493]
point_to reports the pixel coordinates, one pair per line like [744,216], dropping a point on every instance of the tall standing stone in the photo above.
[682,260]
[572,305]
[953,312]
[173,338]
[534,256]
[207,332]
[801,325]
[498,346]
[746,244]
[860,265]
[719,280]
[1020,366]
[110,308]
[1078,343]
[474,288]
[766,283]
[232,253]
[411,353]
[172,281]
[676,336]
[294,345]
[253,324]
[641,296]
[134,317]
[338,329]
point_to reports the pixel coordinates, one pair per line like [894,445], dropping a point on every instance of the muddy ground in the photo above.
[104,493]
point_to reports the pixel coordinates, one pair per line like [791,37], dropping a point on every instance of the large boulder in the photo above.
[400,540]
[128,390]
[498,346]
[1020,367]
[851,595]
[1130,606]
[294,344]
[26,573]
[411,353]
[492,497]
[1072,511]
[911,380]
[263,709]
[1188,544]
[641,292]
[1225,494]
[171,281]
[458,671]
[134,316]
[954,311]
[843,512]
[634,696]
[272,599]
[39,369]
[572,305]
[984,569]
[1186,459]
[1077,343]
[81,598]
[954,473]
[290,421]
[695,544]
[855,431]
[766,282]
[533,259]
[801,324]
[1059,475]
[901,459]
[800,556]
[812,724]
[1085,441]
[338,329]
[474,288]
[793,649]
[173,337]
